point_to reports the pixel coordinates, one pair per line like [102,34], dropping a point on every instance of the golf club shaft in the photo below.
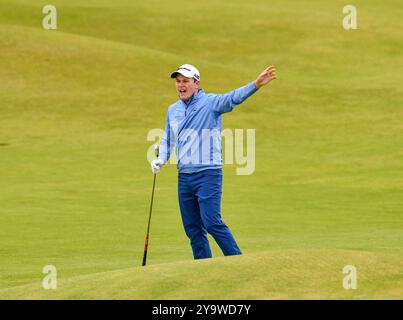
[148,226]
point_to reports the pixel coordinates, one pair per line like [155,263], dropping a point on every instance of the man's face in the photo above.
[186,87]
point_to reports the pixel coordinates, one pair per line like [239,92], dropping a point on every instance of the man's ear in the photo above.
[198,83]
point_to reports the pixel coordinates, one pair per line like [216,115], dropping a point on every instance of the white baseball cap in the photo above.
[188,71]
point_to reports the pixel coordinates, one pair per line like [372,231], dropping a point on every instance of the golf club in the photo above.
[149,215]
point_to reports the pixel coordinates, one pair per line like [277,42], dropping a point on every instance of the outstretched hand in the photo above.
[266,76]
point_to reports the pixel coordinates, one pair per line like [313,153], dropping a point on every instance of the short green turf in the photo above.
[77,103]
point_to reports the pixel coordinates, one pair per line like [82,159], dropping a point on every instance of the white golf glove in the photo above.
[156,165]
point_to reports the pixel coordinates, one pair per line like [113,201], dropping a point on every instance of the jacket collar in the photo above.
[194,98]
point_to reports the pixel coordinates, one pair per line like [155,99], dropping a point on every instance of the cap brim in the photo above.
[175,73]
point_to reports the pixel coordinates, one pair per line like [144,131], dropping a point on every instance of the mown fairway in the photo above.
[76,105]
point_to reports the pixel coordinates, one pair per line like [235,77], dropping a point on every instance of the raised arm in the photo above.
[226,102]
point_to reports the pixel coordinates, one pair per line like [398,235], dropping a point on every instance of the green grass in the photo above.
[76,105]
[276,274]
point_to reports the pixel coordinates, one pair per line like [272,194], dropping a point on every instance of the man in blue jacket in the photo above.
[193,129]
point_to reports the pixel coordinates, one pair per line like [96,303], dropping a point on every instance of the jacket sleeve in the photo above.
[226,102]
[165,144]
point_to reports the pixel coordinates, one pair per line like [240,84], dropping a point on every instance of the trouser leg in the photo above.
[191,219]
[209,194]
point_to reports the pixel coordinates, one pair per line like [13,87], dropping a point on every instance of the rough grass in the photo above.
[284,274]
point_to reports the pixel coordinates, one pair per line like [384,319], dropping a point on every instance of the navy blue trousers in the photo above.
[200,202]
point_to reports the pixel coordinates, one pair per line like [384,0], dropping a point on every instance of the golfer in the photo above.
[193,130]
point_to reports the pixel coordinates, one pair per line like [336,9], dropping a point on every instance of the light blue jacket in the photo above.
[193,128]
